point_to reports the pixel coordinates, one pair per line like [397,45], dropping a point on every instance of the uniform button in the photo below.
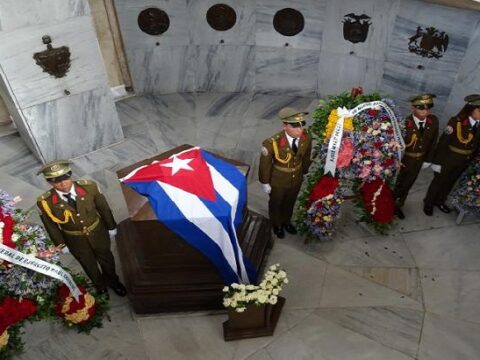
[61,205]
[78,214]
[82,198]
[81,221]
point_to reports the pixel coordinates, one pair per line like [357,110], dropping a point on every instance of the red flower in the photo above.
[377,144]
[72,309]
[356,91]
[325,186]
[13,310]
[388,162]
[389,131]
[7,230]
[363,151]
[365,128]
[383,203]
[372,112]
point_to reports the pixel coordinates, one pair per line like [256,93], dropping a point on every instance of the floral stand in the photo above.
[255,321]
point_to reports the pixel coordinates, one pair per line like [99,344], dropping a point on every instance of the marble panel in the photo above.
[344,289]
[15,14]
[286,71]
[26,191]
[134,38]
[446,339]
[201,33]
[27,80]
[317,338]
[394,327]
[163,69]
[222,104]
[452,293]
[449,248]
[382,13]
[223,68]
[310,38]
[355,71]
[266,107]
[74,125]
[468,76]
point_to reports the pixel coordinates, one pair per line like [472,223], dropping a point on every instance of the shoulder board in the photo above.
[85,182]
[44,196]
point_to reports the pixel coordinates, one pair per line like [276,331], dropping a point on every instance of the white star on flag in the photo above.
[178,164]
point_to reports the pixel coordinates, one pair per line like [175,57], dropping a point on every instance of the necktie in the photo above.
[421,127]
[294,145]
[70,201]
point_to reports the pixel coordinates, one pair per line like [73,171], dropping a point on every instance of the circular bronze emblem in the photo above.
[288,22]
[153,21]
[221,17]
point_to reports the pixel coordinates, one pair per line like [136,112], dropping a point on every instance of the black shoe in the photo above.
[103,292]
[399,213]
[444,208]
[290,229]
[279,232]
[428,210]
[119,289]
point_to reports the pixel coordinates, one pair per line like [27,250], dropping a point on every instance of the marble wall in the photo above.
[57,117]
[253,57]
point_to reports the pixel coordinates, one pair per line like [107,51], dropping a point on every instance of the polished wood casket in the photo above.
[162,272]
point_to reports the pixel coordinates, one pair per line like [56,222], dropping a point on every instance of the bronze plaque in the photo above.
[428,42]
[221,17]
[54,61]
[355,27]
[153,21]
[288,22]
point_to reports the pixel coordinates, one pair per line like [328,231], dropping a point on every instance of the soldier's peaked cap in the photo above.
[291,115]
[473,99]
[55,169]
[422,99]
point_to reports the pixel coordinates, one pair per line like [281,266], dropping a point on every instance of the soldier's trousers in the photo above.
[281,204]
[443,182]
[94,250]
[406,178]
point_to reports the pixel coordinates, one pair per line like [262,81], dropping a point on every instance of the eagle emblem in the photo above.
[355,27]
[428,42]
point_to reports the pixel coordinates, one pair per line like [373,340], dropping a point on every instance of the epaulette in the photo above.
[44,196]
[85,182]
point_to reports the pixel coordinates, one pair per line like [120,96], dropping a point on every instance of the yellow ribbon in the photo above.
[67,214]
[277,155]
[460,137]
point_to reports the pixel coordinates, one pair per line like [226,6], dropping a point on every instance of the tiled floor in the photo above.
[410,295]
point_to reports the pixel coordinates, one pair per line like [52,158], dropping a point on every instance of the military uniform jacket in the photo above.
[92,207]
[459,141]
[420,146]
[279,166]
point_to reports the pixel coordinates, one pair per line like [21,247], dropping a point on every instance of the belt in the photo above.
[85,231]
[415,155]
[460,151]
[287,170]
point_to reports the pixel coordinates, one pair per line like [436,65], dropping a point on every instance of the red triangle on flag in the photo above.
[187,171]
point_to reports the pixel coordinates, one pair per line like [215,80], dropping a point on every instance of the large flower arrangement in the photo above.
[367,163]
[44,293]
[239,296]
[466,195]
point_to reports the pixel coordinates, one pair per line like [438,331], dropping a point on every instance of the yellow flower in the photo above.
[332,121]
[4,339]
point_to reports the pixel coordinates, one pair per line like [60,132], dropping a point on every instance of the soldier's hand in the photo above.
[266,188]
[64,250]
[436,168]
[112,233]
[426,165]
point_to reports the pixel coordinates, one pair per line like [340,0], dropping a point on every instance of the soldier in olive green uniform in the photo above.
[285,158]
[420,140]
[456,147]
[77,215]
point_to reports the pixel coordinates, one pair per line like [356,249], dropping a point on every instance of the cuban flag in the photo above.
[200,198]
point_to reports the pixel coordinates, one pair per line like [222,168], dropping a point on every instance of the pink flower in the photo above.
[346,153]
[377,154]
[365,172]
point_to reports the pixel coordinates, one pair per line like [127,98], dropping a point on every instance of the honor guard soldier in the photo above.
[77,215]
[284,160]
[420,139]
[456,147]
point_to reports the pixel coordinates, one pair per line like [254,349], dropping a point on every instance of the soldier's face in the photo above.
[292,131]
[476,114]
[63,186]
[420,113]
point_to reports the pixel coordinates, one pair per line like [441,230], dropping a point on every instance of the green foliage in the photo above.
[15,345]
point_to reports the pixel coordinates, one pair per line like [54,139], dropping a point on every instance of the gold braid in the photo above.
[277,155]
[413,141]
[67,214]
[460,137]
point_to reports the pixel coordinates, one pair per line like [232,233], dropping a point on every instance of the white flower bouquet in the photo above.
[239,296]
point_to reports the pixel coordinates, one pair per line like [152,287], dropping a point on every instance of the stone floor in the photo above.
[411,295]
